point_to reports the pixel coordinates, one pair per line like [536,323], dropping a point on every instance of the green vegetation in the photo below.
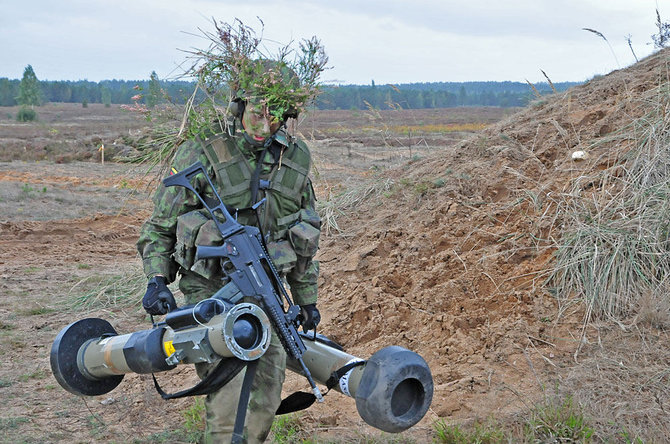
[26,115]
[558,422]
[37,374]
[36,311]
[12,422]
[551,421]
[478,433]
[6,326]
[408,96]
[29,89]
[194,426]
[286,429]
[192,431]
[434,95]
[154,96]
[106,96]
[27,190]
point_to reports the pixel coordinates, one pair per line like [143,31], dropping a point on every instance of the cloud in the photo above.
[393,41]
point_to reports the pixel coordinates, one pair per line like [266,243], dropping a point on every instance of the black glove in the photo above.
[158,299]
[310,317]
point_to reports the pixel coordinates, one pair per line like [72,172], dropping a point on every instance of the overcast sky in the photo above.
[389,41]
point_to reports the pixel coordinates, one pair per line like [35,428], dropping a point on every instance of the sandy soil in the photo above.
[443,257]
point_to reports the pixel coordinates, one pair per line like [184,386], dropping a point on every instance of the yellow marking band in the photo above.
[174,171]
[169,348]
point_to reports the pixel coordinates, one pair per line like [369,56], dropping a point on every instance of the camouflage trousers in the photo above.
[266,388]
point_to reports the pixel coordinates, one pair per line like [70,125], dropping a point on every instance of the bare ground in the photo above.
[444,256]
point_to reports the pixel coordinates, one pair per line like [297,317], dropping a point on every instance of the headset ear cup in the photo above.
[236,108]
[292,112]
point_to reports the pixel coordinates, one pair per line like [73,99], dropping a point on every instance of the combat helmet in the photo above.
[267,82]
[236,66]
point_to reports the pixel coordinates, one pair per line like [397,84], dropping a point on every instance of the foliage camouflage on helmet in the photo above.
[285,82]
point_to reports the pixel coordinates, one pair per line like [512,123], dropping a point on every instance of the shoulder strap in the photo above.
[220,376]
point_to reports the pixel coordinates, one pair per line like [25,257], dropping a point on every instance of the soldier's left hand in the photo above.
[310,317]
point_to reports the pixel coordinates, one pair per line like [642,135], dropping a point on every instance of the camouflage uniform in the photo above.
[289,221]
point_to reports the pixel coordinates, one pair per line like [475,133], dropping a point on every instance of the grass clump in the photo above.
[104,291]
[36,311]
[336,206]
[552,421]
[286,429]
[37,374]
[615,239]
[559,422]
[26,114]
[195,418]
[12,422]
[479,433]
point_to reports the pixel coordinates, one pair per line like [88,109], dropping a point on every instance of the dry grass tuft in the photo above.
[336,206]
[653,311]
[622,382]
[121,290]
[616,222]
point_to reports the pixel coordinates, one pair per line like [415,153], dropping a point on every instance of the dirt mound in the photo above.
[445,257]
[447,264]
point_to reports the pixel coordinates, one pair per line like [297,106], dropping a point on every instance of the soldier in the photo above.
[249,159]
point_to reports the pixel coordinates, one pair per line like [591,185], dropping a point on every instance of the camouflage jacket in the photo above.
[288,217]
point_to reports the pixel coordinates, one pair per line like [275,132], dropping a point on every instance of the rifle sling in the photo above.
[243,403]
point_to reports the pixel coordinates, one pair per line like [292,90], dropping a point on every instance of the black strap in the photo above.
[337,374]
[302,400]
[243,403]
[256,177]
[275,150]
[220,376]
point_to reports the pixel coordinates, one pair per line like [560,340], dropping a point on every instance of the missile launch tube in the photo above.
[393,388]
[89,358]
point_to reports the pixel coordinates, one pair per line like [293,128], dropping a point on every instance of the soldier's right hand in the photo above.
[158,299]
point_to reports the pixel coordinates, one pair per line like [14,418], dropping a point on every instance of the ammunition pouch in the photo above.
[283,256]
[304,237]
[295,248]
[196,228]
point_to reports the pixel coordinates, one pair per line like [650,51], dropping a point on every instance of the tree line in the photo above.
[84,91]
[434,95]
[32,92]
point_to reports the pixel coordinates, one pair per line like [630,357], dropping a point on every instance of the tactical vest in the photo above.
[292,233]
[283,186]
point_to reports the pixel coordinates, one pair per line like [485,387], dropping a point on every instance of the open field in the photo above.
[441,233]
[67,232]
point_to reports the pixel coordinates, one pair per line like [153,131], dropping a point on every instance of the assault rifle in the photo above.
[246,262]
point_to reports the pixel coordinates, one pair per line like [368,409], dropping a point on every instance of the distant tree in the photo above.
[106,96]
[154,96]
[29,89]
[8,91]
[462,96]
